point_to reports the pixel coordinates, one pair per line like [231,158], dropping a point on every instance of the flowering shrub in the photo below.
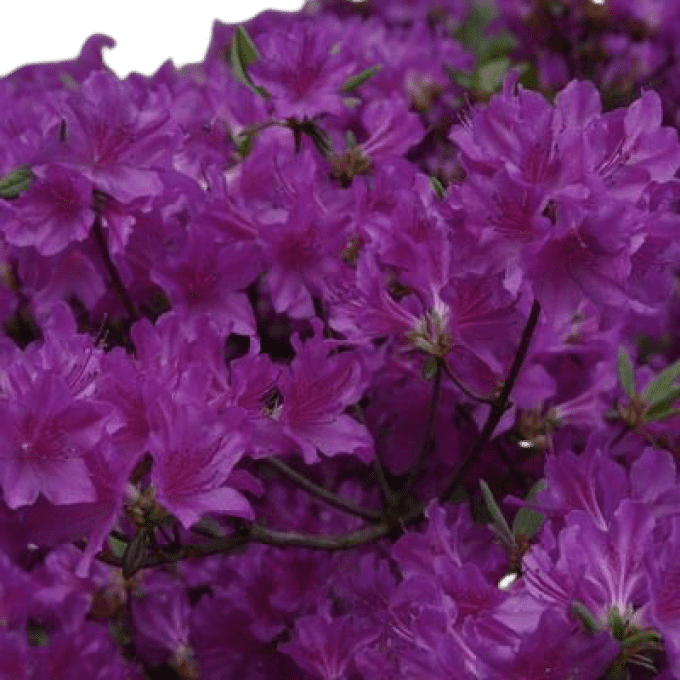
[349,353]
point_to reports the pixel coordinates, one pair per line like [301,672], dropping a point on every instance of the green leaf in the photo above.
[626,372]
[243,53]
[660,388]
[472,33]
[663,409]
[117,546]
[243,49]
[528,521]
[437,187]
[16,182]
[464,79]
[321,140]
[134,554]
[489,77]
[360,78]
[500,524]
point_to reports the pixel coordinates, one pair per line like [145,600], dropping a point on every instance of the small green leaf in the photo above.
[584,615]
[243,48]
[660,388]
[16,182]
[243,53]
[437,187]
[360,78]
[528,521]
[626,372]
[489,77]
[500,524]
[662,411]
[464,79]
[134,555]
[117,546]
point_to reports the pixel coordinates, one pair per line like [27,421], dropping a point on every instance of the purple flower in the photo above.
[315,394]
[205,277]
[303,68]
[118,143]
[663,582]
[161,618]
[552,652]
[53,212]
[325,646]
[44,434]
[194,455]
[303,252]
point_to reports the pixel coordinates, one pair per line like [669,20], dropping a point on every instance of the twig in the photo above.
[467,391]
[498,407]
[116,281]
[324,494]
[427,436]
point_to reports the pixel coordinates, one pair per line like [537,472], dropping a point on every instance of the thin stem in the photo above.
[516,474]
[116,281]
[324,494]
[255,533]
[498,408]
[467,391]
[387,495]
[428,435]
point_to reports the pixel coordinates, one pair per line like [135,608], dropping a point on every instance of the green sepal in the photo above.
[134,554]
[660,388]
[500,524]
[359,79]
[617,624]
[584,615]
[624,368]
[321,140]
[527,521]
[16,182]
[645,637]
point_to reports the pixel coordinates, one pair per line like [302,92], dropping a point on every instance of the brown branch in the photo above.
[427,436]
[466,390]
[256,533]
[498,408]
[116,281]
[327,496]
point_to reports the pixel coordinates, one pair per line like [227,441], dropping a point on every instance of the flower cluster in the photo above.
[342,355]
